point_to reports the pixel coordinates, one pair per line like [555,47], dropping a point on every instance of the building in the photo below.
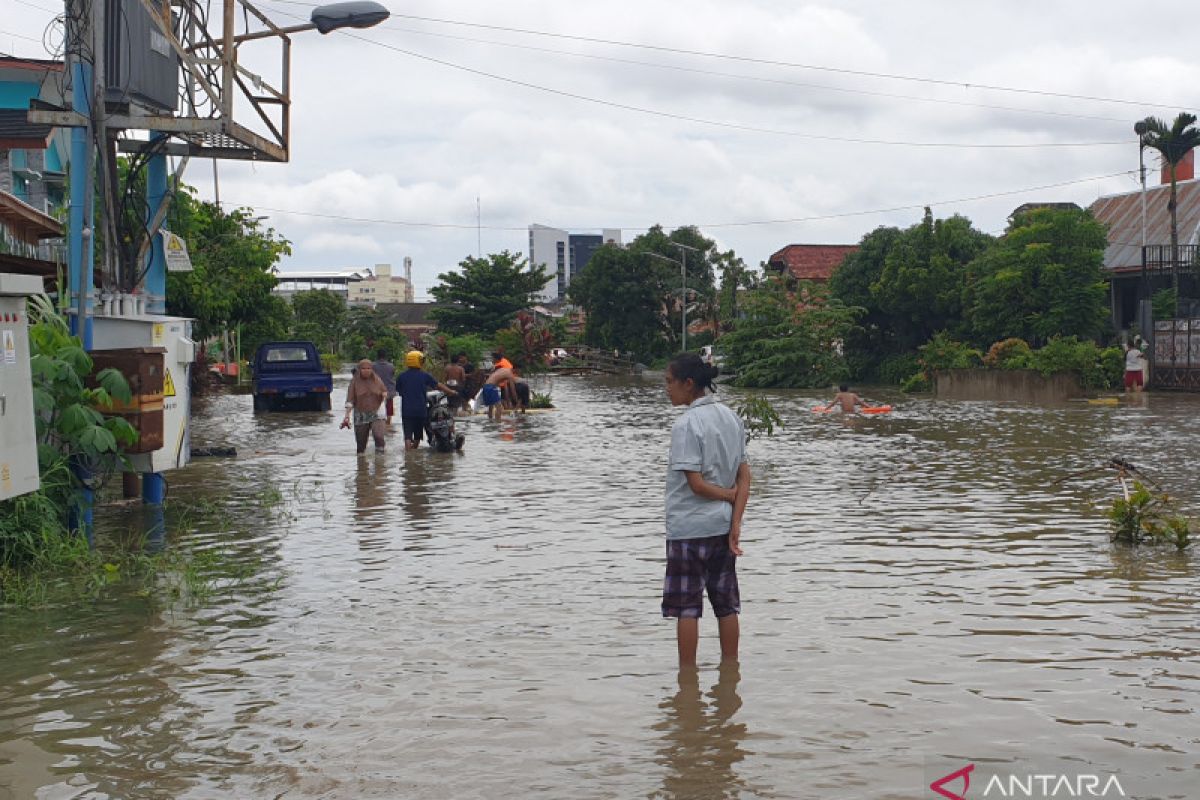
[411,319]
[810,262]
[1122,213]
[379,285]
[33,157]
[563,255]
[337,281]
[33,160]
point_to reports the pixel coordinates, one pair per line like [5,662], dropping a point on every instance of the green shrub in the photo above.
[942,352]
[1085,359]
[1162,304]
[1012,353]
[1147,519]
[917,382]
[895,369]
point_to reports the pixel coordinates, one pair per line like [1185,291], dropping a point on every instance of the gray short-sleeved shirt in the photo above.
[710,439]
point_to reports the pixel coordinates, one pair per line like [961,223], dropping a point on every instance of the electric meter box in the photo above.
[174,335]
[18,432]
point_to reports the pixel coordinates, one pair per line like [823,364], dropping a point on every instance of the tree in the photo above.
[873,338]
[233,266]
[789,336]
[486,294]
[621,301]
[1043,278]
[1172,144]
[368,330]
[920,288]
[320,317]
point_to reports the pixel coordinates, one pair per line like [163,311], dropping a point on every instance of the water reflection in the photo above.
[701,742]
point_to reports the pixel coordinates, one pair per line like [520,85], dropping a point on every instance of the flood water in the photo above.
[919,592]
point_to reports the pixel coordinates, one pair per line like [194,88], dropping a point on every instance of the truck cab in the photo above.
[290,375]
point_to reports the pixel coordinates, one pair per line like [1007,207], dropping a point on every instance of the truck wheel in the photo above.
[261,404]
[324,403]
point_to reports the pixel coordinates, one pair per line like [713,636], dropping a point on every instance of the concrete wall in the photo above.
[1021,385]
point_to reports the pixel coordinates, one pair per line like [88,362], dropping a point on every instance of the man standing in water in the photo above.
[386,371]
[708,484]
[412,384]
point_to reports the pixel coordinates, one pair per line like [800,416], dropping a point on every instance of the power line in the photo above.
[21,36]
[786,221]
[763,61]
[755,78]
[728,125]
[791,64]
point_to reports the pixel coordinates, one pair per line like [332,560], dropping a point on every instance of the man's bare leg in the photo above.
[729,630]
[687,633]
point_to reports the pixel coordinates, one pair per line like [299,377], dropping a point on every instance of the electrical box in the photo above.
[173,335]
[18,432]
[143,368]
[139,63]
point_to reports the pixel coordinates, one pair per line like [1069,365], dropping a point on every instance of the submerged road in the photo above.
[919,594]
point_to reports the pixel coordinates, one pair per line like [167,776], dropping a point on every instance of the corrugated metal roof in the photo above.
[1123,214]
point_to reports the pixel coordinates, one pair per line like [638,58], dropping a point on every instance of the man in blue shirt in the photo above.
[411,385]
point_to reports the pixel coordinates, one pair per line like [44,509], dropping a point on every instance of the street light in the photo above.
[683,291]
[328,18]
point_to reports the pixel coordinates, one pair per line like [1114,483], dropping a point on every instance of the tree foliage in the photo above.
[1043,278]
[233,268]
[320,317]
[1172,142]
[633,296]
[789,337]
[486,293]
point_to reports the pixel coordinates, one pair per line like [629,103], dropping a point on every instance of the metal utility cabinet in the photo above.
[18,433]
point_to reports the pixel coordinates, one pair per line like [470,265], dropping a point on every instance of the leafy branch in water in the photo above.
[1142,517]
[759,415]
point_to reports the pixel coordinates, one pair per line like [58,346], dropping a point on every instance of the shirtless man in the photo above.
[846,399]
[456,379]
[493,391]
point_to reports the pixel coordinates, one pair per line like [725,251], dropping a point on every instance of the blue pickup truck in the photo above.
[290,375]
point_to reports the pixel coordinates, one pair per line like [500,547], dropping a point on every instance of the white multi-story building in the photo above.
[379,285]
[564,254]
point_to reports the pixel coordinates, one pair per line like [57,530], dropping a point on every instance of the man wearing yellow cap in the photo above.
[411,385]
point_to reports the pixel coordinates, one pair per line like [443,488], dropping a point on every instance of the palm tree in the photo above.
[1172,144]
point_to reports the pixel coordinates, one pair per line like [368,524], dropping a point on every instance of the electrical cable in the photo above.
[729,125]
[708,225]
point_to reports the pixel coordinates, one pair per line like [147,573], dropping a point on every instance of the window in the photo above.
[287,354]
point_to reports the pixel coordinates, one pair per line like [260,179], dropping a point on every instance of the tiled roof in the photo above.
[18,132]
[811,262]
[1123,215]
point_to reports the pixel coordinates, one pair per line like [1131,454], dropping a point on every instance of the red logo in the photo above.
[939,785]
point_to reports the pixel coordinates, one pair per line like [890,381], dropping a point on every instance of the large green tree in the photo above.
[624,310]
[874,337]
[486,293]
[634,297]
[1172,142]
[920,288]
[320,317]
[789,336]
[1043,278]
[233,267]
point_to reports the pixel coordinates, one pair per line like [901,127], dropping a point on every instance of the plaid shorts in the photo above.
[696,565]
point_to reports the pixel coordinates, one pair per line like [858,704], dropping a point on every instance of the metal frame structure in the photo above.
[214,82]
[1175,346]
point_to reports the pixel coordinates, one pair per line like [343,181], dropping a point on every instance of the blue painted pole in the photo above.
[155,285]
[154,488]
[80,250]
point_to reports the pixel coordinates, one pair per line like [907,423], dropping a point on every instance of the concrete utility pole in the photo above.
[683,251]
[81,219]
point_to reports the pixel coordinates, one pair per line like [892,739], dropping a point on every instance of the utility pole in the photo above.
[81,220]
[683,251]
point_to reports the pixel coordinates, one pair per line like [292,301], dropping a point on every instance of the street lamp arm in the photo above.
[328,18]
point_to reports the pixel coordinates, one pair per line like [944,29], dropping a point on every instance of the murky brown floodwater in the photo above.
[916,592]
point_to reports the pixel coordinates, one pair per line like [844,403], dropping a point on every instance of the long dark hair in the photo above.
[690,365]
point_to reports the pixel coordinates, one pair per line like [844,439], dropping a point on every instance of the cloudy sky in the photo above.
[782,122]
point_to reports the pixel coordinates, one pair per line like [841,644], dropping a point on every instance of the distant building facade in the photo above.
[810,262]
[288,284]
[564,255]
[379,285]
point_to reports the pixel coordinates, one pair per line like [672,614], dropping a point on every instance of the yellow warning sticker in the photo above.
[157,334]
[168,384]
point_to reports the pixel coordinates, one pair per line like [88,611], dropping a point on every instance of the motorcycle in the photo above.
[440,424]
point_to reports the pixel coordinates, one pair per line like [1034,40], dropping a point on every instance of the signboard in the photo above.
[175,250]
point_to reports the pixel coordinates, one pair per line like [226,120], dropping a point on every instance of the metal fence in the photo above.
[1176,354]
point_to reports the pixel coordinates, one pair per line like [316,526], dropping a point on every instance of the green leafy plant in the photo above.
[917,382]
[760,416]
[943,352]
[894,369]
[1147,518]
[1096,368]
[1011,353]
[540,400]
